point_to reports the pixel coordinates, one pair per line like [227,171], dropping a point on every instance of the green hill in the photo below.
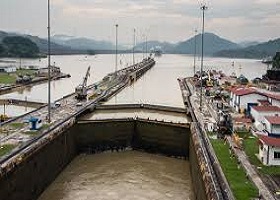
[276,61]
[82,43]
[212,44]
[260,51]
[164,46]
[17,46]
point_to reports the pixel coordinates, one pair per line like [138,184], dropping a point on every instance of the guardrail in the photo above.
[142,106]
[179,124]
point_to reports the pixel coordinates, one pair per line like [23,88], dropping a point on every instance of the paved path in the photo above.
[251,172]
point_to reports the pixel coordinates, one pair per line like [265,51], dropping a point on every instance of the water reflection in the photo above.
[124,175]
[14,110]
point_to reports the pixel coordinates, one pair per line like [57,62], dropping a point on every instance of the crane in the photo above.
[81,90]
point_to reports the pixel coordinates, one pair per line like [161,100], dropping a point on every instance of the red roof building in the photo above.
[273,96]
[264,102]
[242,120]
[266,108]
[275,120]
[240,91]
[270,141]
[269,150]
[245,97]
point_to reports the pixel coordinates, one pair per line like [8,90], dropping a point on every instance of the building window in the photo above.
[277,155]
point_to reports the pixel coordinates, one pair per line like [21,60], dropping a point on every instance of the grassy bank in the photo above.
[251,148]
[240,185]
[10,78]
[7,79]
[4,149]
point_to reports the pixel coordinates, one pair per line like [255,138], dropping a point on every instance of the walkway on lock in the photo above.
[147,120]
[147,112]
[16,131]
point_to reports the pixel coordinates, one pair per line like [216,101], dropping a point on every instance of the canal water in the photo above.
[129,174]
[122,176]
[158,86]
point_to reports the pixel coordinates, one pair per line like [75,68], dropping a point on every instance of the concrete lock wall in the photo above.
[101,136]
[29,179]
[196,174]
[160,138]
[148,136]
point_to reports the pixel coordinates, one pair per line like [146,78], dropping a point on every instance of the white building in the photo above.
[53,71]
[8,68]
[242,98]
[269,150]
[274,99]
[272,125]
[260,112]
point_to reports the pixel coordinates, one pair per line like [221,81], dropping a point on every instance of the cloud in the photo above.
[267,2]
[170,20]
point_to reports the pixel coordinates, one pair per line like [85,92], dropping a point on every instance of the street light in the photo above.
[146,46]
[203,8]
[116,67]
[143,46]
[133,49]
[49,64]
[194,59]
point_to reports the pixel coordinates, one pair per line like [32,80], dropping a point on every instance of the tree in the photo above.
[2,50]
[18,46]
[276,61]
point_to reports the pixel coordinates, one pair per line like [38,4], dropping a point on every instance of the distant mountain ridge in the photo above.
[18,46]
[248,43]
[260,51]
[82,43]
[213,46]
[165,46]
[43,44]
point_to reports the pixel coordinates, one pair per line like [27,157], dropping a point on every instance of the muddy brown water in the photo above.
[122,175]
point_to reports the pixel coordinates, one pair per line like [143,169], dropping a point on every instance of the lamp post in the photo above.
[203,8]
[133,49]
[116,67]
[49,65]
[146,46]
[143,46]
[194,58]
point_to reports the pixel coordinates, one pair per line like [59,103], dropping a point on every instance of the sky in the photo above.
[163,20]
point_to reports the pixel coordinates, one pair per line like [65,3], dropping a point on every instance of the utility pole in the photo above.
[194,58]
[203,8]
[146,46]
[49,64]
[133,49]
[143,46]
[116,67]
